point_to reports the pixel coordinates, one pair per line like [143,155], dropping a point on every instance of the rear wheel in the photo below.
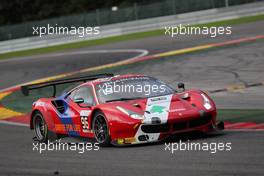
[41,129]
[101,130]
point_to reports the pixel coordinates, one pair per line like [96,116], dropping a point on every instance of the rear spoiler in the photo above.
[25,89]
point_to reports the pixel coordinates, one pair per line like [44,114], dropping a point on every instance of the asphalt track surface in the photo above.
[245,157]
[19,70]
[215,69]
[18,158]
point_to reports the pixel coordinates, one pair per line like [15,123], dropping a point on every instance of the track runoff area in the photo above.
[13,117]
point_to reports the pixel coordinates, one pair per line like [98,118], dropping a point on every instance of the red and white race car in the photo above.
[119,110]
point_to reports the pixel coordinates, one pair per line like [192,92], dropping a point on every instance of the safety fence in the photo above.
[101,17]
[198,17]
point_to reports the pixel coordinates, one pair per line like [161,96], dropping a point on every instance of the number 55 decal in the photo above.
[84,120]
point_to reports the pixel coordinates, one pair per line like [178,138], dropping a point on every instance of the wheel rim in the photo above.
[100,129]
[40,127]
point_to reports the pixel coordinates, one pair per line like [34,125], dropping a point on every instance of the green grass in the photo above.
[18,102]
[126,37]
[241,115]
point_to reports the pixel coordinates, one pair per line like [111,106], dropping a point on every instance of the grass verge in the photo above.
[241,115]
[121,38]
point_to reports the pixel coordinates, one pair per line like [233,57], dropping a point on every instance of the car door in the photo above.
[81,102]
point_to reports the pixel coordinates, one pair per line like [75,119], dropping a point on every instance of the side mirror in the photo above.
[79,100]
[181,86]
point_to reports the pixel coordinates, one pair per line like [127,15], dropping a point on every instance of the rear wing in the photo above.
[25,89]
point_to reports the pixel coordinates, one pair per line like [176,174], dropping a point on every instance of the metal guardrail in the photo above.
[116,29]
[105,16]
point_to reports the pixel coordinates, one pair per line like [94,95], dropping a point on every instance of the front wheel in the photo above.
[100,129]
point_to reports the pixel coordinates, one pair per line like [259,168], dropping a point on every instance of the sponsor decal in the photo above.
[84,120]
[67,127]
[85,113]
[39,103]
[160,106]
[71,127]
[177,110]
[157,109]
[158,99]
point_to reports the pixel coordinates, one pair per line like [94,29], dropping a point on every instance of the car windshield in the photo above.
[131,88]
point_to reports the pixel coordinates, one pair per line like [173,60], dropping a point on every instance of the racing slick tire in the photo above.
[42,134]
[101,130]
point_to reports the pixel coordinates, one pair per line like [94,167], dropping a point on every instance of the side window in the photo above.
[85,93]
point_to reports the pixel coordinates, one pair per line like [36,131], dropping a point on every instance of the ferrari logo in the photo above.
[157,109]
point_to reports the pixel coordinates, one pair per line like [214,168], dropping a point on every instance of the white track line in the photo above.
[13,123]
[141,52]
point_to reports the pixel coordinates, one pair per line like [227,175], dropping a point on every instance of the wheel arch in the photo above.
[32,118]
[46,118]
[93,115]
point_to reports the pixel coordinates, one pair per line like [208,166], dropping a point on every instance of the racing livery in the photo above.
[119,110]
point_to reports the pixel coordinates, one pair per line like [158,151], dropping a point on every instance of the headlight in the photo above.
[132,114]
[207,103]
[137,116]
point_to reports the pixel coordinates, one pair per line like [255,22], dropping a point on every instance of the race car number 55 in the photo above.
[84,120]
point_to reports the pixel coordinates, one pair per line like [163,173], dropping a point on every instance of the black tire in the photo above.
[101,130]
[41,129]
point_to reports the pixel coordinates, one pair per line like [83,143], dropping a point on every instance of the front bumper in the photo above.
[156,132]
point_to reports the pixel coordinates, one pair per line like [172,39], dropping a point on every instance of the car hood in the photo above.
[159,109]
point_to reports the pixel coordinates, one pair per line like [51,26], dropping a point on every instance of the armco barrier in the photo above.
[136,26]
